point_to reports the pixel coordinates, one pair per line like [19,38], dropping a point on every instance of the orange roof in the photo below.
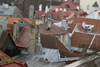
[7,61]
[12,19]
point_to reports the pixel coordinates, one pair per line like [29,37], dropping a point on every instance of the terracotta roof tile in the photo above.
[94,22]
[71,4]
[52,42]
[81,40]
[55,30]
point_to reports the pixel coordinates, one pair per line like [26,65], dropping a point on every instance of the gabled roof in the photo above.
[24,37]
[52,42]
[7,11]
[95,4]
[70,3]
[83,40]
[55,30]
[12,19]
[94,22]
[7,61]
[3,38]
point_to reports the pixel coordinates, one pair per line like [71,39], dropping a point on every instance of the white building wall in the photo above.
[85,3]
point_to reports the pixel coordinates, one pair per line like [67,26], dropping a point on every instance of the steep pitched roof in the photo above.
[79,39]
[3,38]
[7,61]
[70,3]
[7,11]
[95,4]
[12,19]
[55,30]
[52,42]
[83,40]
[94,22]
[24,37]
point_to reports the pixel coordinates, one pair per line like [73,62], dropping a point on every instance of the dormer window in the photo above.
[21,21]
[67,6]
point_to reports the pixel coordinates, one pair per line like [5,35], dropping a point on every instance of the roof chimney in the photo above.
[1,30]
[40,7]
[83,25]
[46,9]
[5,5]
[50,22]
[64,24]
[31,13]
[16,31]
[43,19]
[12,4]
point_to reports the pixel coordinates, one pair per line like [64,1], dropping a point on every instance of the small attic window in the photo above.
[11,26]
[67,6]
[21,21]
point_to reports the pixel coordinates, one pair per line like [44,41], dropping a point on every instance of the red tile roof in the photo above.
[55,30]
[38,14]
[52,42]
[94,22]
[24,38]
[12,19]
[14,65]
[70,3]
[83,40]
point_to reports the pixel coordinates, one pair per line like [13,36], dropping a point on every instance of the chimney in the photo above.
[43,19]
[46,9]
[34,34]
[40,7]
[16,31]
[64,24]
[12,4]
[5,5]
[50,22]
[83,25]
[31,13]
[1,30]
[96,15]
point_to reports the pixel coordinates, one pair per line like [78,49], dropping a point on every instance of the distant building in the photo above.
[6,11]
[90,6]
[67,10]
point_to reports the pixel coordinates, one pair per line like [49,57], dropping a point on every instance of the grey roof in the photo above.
[4,24]
[95,4]
[7,11]
[92,15]
[51,55]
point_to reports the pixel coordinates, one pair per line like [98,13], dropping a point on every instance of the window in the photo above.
[67,6]
[21,21]
[88,7]
[11,26]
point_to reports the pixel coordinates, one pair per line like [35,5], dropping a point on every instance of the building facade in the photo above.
[90,6]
